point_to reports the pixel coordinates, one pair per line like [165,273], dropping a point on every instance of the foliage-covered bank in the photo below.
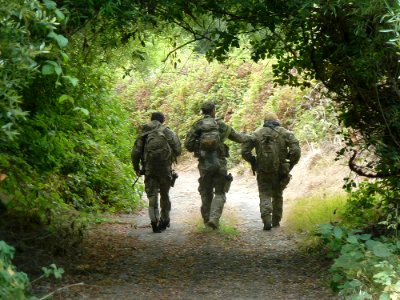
[65,139]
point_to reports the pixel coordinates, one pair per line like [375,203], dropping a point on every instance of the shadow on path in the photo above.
[126,260]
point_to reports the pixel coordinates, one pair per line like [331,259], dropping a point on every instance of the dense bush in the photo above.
[363,267]
[13,284]
[65,139]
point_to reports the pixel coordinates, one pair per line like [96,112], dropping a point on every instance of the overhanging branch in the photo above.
[359,170]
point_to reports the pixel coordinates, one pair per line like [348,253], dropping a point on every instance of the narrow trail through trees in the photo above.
[125,260]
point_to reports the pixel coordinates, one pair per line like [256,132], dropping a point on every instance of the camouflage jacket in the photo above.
[137,153]
[225,131]
[290,151]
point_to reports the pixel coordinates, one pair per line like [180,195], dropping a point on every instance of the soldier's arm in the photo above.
[247,148]
[174,142]
[190,140]
[231,134]
[136,154]
[294,149]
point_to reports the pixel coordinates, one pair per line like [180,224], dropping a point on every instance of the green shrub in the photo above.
[363,268]
[373,206]
[13,284]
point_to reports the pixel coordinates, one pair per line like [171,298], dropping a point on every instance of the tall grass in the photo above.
[307,213]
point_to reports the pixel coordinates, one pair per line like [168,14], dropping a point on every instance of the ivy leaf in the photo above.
[337,232]
[53,270]
[51,67]
[61,40]
[64,98]
[64,56]
[365,237]
[325,229]
[50,4]
[381,250]
[59,14]
[46,271]
[83,110]
[58,69]
[48,69]
[57,271]
[72,80]
[352,239]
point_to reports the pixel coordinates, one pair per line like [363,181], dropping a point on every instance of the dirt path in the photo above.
[126,260]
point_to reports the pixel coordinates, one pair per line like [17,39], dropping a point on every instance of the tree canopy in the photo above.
[57,57]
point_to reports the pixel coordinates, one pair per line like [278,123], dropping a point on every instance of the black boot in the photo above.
[267,226]
[275,222]
[163,224]
[155,227]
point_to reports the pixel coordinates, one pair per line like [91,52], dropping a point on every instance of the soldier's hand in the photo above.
[254,166]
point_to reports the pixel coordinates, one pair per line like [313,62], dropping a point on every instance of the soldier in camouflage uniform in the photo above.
[212,180]
[271,182]
[156,180]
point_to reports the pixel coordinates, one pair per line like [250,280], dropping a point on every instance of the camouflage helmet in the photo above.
[270,116]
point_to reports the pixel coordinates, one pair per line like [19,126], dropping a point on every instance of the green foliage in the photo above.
[28,43]
[69,149]
[13,284]
[374,206]
[363,268]
[307,213]
[53,270]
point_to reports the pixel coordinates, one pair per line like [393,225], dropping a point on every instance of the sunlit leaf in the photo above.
[64,98]
[48,69]
[381,250]
[59,14]
[82,110]
[73,80]
[50,4]
[61,40]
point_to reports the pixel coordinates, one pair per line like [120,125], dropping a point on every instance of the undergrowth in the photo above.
[363,267]
[307,213]
[15,284]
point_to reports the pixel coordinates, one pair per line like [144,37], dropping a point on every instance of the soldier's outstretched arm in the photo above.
[174,142]
[231,134]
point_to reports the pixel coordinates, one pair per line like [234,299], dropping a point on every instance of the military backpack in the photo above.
[157,151]
[209,135]
[210,144]
[268,150]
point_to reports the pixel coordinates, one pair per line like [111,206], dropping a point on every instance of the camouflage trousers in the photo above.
[155,185]
[211,189]
[270,188]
